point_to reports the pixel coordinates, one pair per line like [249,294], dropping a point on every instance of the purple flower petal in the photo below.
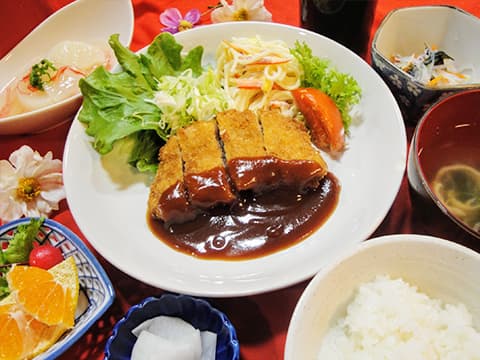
[171,17]
[171,30]
[193,16]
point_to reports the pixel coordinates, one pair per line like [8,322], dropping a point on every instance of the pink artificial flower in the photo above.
[30,185]
[174,22]
[241,10]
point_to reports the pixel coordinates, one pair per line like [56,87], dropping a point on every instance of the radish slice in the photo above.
[173,333]
[148,347]
[209,345]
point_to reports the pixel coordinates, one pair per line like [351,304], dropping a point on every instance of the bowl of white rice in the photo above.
[393,297]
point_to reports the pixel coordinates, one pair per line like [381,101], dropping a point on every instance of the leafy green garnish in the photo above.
[117,105]
[21,244]
[320,74]
[114,107]
[41,73]
[18,250]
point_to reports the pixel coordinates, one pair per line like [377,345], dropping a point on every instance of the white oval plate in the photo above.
[108,200]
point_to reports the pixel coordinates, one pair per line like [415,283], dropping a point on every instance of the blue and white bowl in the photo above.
[198,312]
[405,31]
[96,290]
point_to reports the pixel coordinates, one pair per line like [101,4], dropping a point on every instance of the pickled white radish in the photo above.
[72,61]
[209,345]
[152,347]
[176,330]
[171,332]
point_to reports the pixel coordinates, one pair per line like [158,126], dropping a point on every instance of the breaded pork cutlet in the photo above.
[204,172]
[243,146]
[288,140]
[168,199]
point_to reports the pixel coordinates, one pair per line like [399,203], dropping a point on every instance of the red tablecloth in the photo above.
[262,320]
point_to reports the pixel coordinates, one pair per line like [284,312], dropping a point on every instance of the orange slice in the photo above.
[49,296]
[23,337]
[11,332]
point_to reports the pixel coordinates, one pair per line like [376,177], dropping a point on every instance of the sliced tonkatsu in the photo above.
[199,164]
[204,171]
[245,153]
[299,162]
[168,199]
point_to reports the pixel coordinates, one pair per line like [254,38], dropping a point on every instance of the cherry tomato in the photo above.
[45,256]
[322,117]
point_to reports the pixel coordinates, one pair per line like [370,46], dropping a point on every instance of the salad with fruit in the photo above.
[39,293]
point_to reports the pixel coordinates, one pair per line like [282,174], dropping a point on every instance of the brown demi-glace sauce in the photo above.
[255,226]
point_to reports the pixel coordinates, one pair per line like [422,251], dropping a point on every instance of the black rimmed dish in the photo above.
[406,31]
[198,312]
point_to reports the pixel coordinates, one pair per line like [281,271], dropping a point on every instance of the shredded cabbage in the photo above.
[186,98]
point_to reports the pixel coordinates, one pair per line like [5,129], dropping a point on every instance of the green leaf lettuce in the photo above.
[320,74]
[21,244]
[117,105]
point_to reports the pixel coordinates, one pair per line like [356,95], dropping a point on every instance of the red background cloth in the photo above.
[261,320]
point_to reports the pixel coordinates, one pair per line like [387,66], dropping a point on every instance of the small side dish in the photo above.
[86,21]
[418,52]
[177,326]
[53,78]
[41,301]
[52,289]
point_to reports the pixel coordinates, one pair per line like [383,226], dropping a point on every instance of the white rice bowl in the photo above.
[394,297]
[391,319]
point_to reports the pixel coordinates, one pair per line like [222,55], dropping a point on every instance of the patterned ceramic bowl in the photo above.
[96,291]
[406,31]
[199,313]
